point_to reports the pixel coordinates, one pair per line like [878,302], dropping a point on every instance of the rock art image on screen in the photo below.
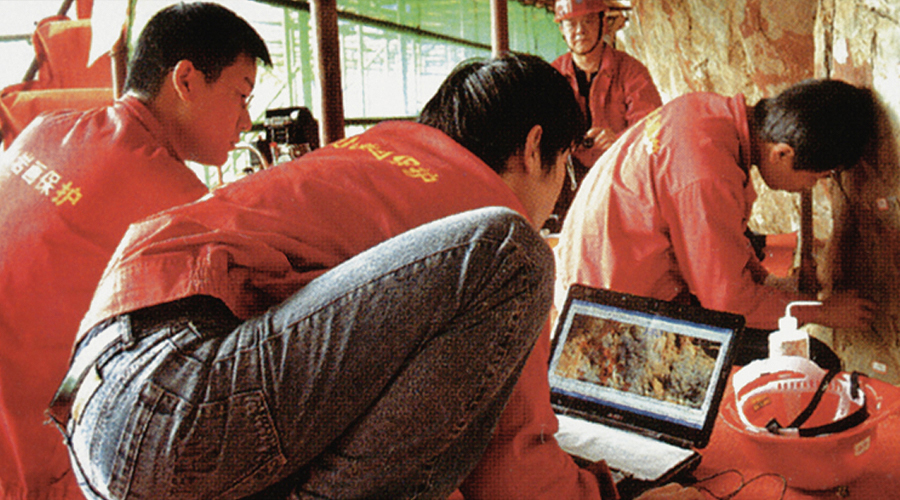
[642,360]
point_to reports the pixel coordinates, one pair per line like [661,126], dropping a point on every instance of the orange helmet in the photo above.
[567,9]
[833,420]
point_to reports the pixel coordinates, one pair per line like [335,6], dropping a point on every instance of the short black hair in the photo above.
[490,105]
[827,122]
[207,34]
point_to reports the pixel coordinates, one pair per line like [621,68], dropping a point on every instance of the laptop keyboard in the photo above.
[628,453]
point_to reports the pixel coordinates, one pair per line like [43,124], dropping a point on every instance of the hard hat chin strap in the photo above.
[842,424]
[795,374]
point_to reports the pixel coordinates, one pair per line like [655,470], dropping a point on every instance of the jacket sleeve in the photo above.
[524,460]
[641,95]
[716,259]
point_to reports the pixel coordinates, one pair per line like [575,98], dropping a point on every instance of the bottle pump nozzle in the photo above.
[788,322]
[788,340]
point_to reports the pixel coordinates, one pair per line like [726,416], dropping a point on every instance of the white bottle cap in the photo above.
[787,323]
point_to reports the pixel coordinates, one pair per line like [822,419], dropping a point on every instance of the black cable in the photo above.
[743,483]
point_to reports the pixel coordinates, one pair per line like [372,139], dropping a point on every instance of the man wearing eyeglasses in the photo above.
[71,184]
[613,89]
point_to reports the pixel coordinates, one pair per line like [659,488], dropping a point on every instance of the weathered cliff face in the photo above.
[753,47]
[859,41]
[760,47]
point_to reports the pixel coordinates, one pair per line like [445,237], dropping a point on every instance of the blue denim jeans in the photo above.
[383,378]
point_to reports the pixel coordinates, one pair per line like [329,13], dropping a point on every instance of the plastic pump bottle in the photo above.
[789,340]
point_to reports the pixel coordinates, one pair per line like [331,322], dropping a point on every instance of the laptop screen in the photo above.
[642,362]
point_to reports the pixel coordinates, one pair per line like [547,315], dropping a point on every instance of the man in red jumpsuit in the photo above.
[664,212]
[71,185]
[347,325]
[613,89]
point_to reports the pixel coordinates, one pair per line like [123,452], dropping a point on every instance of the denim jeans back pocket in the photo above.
[232,448]
[168,450]
[142,442]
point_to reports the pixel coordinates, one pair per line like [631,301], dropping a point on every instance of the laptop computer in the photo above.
[637,382]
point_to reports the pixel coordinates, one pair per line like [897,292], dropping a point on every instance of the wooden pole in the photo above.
[808,280]
[325,24]
[499,28]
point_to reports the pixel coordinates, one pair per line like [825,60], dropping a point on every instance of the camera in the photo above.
[289,133]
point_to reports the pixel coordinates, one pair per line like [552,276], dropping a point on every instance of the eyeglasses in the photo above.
[245,101]
[587,21]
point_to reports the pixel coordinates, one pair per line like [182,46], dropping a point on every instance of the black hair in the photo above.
[207,34]
[827,122]
[490,105]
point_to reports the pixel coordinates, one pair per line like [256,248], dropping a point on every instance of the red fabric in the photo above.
[254,246]
[255,242]
[64,79]
[621,94]
[83,8]
[663,214]
[63,48]
[19,107]
[71,185]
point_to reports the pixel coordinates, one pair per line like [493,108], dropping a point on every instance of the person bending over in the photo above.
[664,213]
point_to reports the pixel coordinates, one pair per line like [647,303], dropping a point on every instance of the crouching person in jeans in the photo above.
[352,322]
[347,325]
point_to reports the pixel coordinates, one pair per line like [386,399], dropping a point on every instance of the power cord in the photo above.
[743,484]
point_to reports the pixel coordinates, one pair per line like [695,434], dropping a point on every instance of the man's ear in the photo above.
[532,151]
[185,79]
[782,152]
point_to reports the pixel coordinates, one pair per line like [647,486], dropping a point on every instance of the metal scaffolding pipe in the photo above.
[120,50]
[32,70]
[381,23]
[499,28]
[325,22]
[119,57]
